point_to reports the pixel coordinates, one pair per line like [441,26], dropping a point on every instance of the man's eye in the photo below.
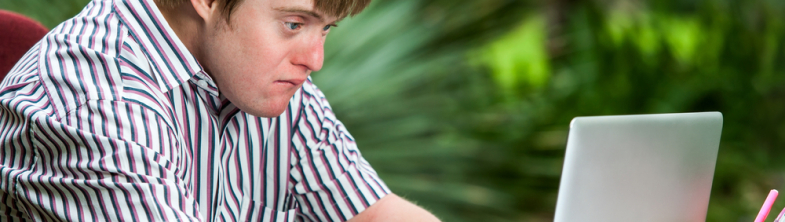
[292,25]
[327,27]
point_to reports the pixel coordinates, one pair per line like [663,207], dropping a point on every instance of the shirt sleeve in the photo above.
[73,149]
[104,161]
[332,181]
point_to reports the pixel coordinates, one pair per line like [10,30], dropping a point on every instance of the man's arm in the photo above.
[394,208]
[102,166]
[98,159]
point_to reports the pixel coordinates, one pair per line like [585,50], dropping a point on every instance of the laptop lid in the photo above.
[639,168]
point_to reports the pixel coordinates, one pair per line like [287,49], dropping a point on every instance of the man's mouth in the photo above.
[293,82]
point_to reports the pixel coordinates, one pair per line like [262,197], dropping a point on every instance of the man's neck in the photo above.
[186,24]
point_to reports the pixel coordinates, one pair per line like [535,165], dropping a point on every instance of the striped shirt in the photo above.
[110,118]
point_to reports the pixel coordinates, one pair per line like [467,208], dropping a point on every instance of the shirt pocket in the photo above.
[251,210]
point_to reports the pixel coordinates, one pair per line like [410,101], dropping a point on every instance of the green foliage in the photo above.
[49,12]
[477,155]
[464,106]
[520,58]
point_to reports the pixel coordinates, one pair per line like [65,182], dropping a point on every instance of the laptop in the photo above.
[639,168]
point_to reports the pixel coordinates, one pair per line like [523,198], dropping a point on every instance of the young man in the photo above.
[184,110]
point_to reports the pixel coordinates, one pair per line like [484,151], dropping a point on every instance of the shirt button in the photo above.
[202,83]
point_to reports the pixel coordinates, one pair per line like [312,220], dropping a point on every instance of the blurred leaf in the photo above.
[683,35]
[519,58]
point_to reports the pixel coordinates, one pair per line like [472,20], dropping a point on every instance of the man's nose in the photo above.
[311,54]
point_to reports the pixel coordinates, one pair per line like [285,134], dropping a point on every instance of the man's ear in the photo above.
[207,9]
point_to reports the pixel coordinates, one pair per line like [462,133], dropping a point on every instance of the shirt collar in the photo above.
[171,59]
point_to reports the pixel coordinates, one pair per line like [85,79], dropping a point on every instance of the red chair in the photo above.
[19,33]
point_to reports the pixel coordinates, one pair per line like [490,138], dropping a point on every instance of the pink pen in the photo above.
[764,210]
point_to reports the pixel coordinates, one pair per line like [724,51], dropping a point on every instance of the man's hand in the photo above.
[394,208]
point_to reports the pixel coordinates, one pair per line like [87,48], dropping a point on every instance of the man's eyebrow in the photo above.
[303,11]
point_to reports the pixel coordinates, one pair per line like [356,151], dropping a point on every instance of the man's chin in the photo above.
[268,110]
[266,113]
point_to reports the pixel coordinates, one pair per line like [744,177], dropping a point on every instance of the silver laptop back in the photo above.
[655,168]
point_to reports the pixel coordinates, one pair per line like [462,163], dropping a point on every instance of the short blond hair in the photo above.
[336,8]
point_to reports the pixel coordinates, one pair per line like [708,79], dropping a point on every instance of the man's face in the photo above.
[268,52]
